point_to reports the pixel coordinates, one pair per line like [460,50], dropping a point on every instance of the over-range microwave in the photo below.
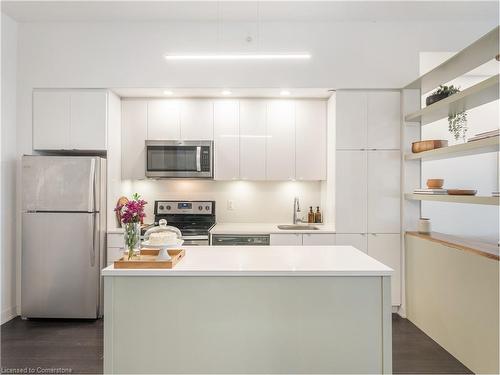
[179,159]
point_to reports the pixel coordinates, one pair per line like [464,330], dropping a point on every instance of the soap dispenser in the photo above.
[317,216]
[310,215]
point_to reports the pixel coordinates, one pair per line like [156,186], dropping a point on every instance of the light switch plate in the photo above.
[230,205]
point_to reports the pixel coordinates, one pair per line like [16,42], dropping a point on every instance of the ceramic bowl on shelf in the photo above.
[431,144]
[462,192]
[435,183]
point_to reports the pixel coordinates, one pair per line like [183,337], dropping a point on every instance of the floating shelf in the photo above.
[471,148]
[481,93]
[470,199]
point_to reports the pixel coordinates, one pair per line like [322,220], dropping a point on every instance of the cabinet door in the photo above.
[384,120]
[351,122]
[359,240]
[89,117]
[134,133]
[51,120]
[226,139]
[351,192]
[164,121]
[253,139]
[386,248]
[280,146]
[285,239]
[197,120]
[384,191]
[318,239]
[310,140]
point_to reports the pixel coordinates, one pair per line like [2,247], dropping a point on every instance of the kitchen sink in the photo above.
[297,227]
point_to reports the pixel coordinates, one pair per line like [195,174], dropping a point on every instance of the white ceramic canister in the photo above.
[424,225]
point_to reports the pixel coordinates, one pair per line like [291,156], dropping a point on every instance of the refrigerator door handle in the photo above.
[92,182]
[92,250]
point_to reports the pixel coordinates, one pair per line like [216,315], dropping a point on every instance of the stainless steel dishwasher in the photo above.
[240,239]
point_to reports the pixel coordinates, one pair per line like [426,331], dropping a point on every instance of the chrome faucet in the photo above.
[296,209]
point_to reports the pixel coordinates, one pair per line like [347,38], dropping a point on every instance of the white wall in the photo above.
[254,201]
[478,172]
[8,169]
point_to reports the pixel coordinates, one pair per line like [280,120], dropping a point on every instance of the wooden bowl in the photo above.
[462,192]
[432,144]
[435,183]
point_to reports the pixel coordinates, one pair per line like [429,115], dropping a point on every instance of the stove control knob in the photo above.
[161,208]
[207,208]
[168,207]
[200,208]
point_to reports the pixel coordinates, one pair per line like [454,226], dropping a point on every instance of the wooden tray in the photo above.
[422,146]
[147,259]
[461,192]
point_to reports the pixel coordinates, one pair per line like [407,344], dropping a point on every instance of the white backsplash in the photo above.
[253,201]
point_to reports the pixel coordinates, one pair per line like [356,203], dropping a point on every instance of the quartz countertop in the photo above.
[266,228]
[266,261]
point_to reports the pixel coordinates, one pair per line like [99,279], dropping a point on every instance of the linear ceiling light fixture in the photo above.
[236,56]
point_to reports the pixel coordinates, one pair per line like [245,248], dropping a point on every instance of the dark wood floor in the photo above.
[78,345]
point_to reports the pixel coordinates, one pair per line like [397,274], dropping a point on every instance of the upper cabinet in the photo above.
[253,139]
[227,139]
[163,120]
[197,120]
[310,140]
[280,140]
[134,135]
[70,119]
[368,120]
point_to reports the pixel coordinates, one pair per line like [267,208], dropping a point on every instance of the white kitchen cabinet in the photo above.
[88,120]
[357,240]
[197,119]
[351,113]
[226,139]
[351,206]
[386,248]
[285,239]
[384,199]
[253,139]
[368,120]
[70,120]
[310,140]
[134,135]
[280,146]
[318,239]
[163,120]
[115,248]
[383,120]
[51,119]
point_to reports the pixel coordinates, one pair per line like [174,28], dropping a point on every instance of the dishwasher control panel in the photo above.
[240,239]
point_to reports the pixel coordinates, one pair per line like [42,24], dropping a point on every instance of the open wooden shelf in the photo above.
[481,93]
[470,199]
[472,148]
[474,246]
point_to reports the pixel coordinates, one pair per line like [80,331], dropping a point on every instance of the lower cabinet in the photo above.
[357,240]
[386,248]
[298,239]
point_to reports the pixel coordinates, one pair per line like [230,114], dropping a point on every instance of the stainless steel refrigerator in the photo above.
[63,236]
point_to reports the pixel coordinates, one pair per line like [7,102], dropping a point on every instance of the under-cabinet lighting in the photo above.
[226,92]
[168,92]
[284,92]
[263,56]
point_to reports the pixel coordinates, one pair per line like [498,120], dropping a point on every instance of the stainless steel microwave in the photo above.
[179,159]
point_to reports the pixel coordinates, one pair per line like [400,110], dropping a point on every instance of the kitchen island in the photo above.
[267,309]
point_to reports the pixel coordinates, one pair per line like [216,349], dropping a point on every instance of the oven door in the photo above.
[179,159]
[195,240]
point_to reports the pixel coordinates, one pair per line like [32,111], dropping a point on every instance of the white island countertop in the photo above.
[267,261]
[267,228]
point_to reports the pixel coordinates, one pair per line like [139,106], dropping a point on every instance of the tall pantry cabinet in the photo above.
[368,164]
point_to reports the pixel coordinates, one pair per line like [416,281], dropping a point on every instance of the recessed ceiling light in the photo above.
[226,92]
[168,92]
[260,56]
[284,92]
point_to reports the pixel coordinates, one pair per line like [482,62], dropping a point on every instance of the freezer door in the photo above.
[60,265]
[60,183]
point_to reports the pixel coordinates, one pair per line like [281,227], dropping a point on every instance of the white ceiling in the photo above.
[317,93]
[226,11]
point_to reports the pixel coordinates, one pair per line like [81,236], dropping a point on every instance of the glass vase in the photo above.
[132,232]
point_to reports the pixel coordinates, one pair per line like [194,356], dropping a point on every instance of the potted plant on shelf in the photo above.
[441,93]
[457,125]
[132,215]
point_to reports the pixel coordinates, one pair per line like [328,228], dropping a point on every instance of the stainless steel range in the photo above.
[193,218]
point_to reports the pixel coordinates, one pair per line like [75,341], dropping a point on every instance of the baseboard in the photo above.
[8,314]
